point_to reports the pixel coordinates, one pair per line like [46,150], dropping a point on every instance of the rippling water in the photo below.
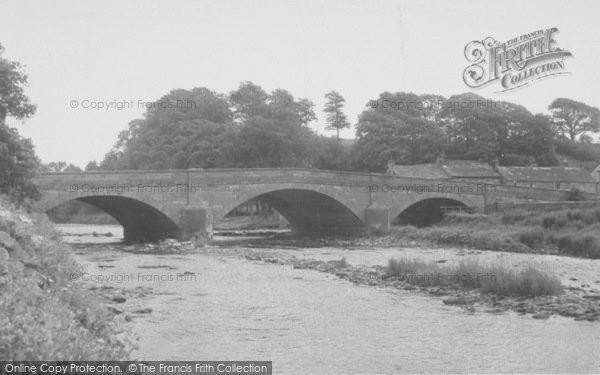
[310,322]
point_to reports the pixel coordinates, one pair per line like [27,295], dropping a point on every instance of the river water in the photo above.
[220,307]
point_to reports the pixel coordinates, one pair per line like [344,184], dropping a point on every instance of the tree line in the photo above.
[250,127]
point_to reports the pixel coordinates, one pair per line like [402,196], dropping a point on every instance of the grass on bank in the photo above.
[573,232]
[43,315]
[528,282]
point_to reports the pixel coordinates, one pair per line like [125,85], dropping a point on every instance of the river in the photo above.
[220,307]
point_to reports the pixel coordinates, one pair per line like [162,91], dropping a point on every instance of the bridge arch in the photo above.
[141,221]
[426,209]
[314,209]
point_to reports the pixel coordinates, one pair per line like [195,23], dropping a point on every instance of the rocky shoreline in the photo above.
[576,303]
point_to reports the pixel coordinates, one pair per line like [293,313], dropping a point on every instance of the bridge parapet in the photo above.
[191,198]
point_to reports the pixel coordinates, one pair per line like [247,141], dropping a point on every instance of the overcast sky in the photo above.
[140,50]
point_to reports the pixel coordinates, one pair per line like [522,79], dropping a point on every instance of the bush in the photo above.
[532,238]
[471,275]
[43,314]
[527,283]
[575,195]
[516,216]
[572,231]
[456,218]
[580,244]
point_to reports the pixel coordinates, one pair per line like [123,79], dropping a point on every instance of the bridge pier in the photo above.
[377,218]
[196,221]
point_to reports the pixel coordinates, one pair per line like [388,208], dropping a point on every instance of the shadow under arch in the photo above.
[310,212]
[141,222]
[427,211]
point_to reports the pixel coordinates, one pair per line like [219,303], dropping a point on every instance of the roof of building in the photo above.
[569,161]
[547,174]
[469,168]
[418,171]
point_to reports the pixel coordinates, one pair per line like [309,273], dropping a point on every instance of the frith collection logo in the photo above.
[514,63]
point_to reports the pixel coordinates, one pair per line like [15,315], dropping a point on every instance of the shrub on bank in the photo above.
[573,232]
[528,282]
[533,237]
[463,236]
[583,244]
[517,216]
[43,314]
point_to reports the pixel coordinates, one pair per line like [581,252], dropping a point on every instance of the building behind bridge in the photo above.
[556,178]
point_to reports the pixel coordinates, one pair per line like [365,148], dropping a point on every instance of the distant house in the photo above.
[559,178]
[427,171]
[445,169]
[556,178]
[596,173]
[470,170]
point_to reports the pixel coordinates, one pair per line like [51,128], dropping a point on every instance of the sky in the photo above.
[103,51]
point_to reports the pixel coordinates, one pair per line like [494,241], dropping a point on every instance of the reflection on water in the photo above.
[310,322]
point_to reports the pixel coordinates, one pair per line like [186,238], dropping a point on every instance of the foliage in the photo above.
[189,130]
[412,129]
[578,150]
[251,127]
[528,282]
[382,137]
[334,155]
[13,101]
[274,142]
[572,118]
[248,128]
[43,314]
[334,108]
[575,195]
[480,129]
[60,166]
[18,162]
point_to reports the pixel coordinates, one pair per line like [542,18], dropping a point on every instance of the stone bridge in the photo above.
[151,205]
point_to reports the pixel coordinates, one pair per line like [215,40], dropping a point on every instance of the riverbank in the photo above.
[566,232]
[572,232]
[307,321]
[44,313]
[574,302]
[562,293]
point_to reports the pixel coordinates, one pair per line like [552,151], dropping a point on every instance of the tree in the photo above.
[334,155]
[572,118]
[18,162]
[268,131]
[191,128]
[306,111]
[92,166]
[249,100]
[60,166]
[481,129]
[532,138]
[275,141]
[13,101]
[382,137]
[18,165]
[336,119]
[272,131]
